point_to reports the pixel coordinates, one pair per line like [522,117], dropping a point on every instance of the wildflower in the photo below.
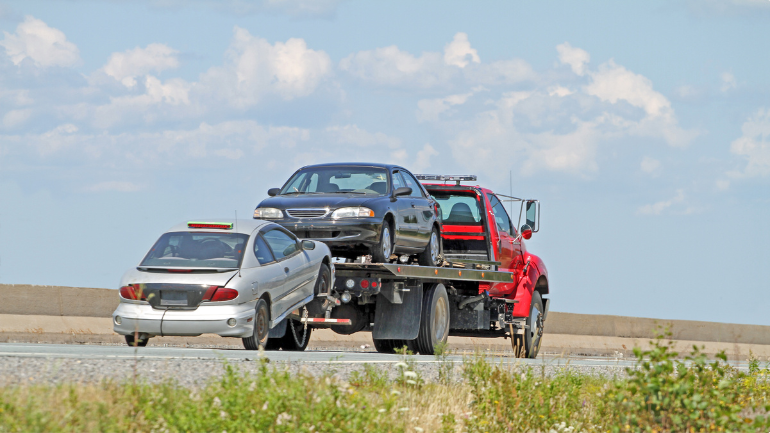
[381,411]
[222,414]
[418,429]
[395,392]
[252,386]
[401,365]
[216,402]
[410,374]
[411,382]
[403,409]
[282,417]
[264,406]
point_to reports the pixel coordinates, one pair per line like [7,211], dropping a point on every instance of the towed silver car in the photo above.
[231,278]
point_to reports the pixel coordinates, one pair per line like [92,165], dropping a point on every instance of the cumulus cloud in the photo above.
[424,158]
[459,52]
[754,145]
[659,207]
[650,165]
[127,65]
[576,58]
[43,45]
[728,82]
[254,68]
[353,135]
[430,109]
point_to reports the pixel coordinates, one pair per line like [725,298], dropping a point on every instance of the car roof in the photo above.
[356,164]
[240,226]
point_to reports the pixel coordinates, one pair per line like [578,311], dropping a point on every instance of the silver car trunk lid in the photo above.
[166,289]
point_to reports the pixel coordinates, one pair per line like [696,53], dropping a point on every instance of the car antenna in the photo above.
[244,246]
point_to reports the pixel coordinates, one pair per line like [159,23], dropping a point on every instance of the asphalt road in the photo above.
[90,352]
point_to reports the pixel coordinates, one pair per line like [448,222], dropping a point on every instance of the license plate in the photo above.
[173,298]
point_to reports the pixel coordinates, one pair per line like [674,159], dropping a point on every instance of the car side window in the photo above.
[281,243]
[501,216]
[397,181]
[411,182]
[262,251]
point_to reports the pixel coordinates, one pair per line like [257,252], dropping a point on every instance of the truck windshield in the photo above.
[458,209]
[338,180]
[197,250]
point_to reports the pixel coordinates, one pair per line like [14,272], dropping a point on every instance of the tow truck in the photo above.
[488,284]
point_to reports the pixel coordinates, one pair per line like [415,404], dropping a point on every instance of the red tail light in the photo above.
[133,293]
[219,294]
[364,284]
[374,284]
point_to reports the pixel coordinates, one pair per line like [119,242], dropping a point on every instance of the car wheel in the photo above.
[136,342]
[434,321]
[430,256]
[528,344]
[297,336]
[258,338]
[384,248]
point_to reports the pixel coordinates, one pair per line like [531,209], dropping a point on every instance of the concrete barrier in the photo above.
[21,299]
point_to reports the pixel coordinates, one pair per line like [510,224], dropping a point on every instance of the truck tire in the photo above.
[528,345]
[430,256]
[297,336]
[434,320]
[261,327]
[390,346]
[382,251]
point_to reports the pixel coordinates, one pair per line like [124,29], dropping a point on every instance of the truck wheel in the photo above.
[382,251]
[261,328]
[297,336]
[139,342]
[434,321]
[390,346]
[430,256]
[528,345]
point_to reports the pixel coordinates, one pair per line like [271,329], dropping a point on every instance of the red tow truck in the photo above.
[488,285]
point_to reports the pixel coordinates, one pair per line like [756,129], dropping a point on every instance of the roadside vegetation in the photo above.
[661,394]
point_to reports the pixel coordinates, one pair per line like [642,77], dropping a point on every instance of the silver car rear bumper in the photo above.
[206,319]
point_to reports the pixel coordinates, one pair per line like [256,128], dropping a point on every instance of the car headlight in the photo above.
[267,213]
[352,212]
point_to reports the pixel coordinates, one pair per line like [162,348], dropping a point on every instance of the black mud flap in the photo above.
[279,330]
[398,321]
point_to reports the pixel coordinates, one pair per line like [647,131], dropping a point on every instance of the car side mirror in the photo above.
[404,190]
[526,231]
[272,192]
[308,245]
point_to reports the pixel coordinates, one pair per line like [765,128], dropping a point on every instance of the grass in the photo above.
[661,394]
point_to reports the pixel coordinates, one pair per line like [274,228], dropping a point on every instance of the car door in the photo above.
[269,276]
[406,227]
[286,250]
[423,209]
[508,251]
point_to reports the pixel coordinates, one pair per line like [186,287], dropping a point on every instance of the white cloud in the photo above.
[254,68]
[15,118]
[158,96]
[559,91]
[728,82]
[576,58]
[353,135]
[423,160]
[44,46]
[650,165]
[659,207]
[127,65]
[113,186]
[754,145]
[458,52]
[391,66]
[430,109]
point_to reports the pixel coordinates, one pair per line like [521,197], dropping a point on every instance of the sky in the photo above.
[642,127]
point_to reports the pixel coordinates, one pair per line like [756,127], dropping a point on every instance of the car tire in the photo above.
[297,336]
[528,344]
[432,253]
[258,338]
[434,320]
[390,346]
[139,342]
[384,248]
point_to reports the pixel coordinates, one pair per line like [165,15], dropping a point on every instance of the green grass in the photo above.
[662,394]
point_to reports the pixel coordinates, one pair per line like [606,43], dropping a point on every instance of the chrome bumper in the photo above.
[206,319]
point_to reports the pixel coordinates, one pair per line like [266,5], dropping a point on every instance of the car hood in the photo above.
[135,276]
[332,201]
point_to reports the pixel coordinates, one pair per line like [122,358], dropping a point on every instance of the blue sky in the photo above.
[643,128]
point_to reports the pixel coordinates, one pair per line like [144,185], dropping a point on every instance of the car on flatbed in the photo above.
[234,278]
[358,209]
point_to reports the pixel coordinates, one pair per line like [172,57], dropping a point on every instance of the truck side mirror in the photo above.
[272,192]
[532,216]
[526,231]
[404,190]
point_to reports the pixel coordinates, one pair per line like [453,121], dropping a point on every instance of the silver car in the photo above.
[232,278]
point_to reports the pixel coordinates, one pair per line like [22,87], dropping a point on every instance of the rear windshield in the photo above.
[197,250]
[458,209]
[338,180]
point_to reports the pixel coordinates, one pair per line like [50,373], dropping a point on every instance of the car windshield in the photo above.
[338,180]
[197,250]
